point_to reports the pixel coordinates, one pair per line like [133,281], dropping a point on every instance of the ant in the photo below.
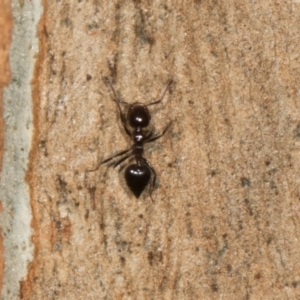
[138,175]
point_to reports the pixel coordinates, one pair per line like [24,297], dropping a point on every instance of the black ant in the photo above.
[138,175]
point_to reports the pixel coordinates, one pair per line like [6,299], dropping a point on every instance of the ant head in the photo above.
[138,115]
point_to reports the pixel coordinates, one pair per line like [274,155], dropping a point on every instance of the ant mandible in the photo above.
[138,175]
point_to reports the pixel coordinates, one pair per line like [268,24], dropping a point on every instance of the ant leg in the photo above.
[158,136]
[108,159]
[123,120]
[162,97]
[154,177]
[124,165]
[118,101]
[118,154]
[149,135]
[121,160]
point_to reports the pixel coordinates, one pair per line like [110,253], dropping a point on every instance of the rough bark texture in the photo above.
[5,40]
[224,223]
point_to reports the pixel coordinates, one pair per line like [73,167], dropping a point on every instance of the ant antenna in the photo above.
[118,100]
[164,93]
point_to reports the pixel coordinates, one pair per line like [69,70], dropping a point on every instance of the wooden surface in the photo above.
[225,220]
[5,40]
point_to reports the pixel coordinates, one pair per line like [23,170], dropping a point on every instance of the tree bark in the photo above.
[224,222]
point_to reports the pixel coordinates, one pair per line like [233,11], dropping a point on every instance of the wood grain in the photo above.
[5,41]
[225,220]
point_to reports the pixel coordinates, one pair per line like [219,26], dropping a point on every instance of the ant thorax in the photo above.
[138,136]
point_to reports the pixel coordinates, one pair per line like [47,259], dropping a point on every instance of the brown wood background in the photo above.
[225,220]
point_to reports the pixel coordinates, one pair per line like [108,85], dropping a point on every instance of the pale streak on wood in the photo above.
[225,222]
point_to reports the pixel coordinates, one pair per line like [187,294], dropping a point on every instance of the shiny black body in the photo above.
[135,123]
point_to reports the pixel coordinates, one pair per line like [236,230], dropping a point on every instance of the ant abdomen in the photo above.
[137,178]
